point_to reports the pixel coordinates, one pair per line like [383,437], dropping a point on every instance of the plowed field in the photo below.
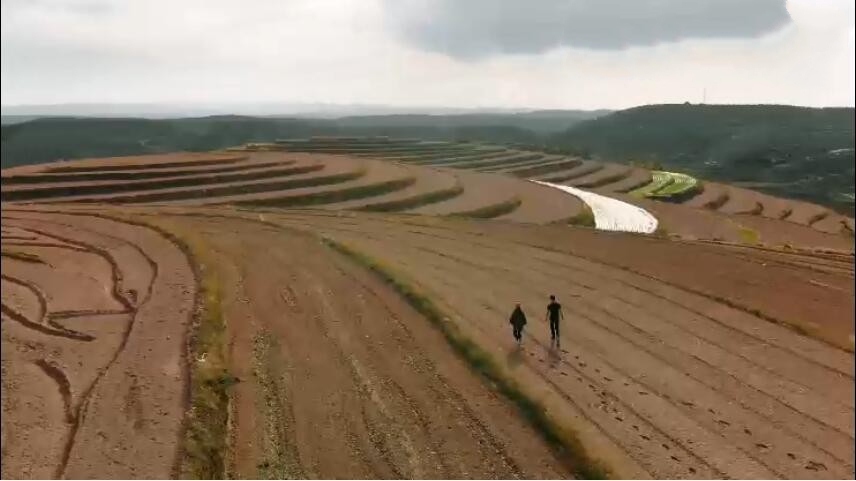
[204,330]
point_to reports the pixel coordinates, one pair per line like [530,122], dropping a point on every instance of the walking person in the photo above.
[517,321]
[554,315]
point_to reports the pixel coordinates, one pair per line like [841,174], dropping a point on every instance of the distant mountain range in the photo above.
[22,113]
[789,151]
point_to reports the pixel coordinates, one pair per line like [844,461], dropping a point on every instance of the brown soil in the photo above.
[480,190]
[376,174]
[350,381]
[833,224]
[170,160]
[254,160]
[541,205]
[609,174]
[73,189]
[725,356]
[513,158]
[658,371]
[559,165]
[89,392]
[586,168]
[635,179]
[428,181]
[546,160]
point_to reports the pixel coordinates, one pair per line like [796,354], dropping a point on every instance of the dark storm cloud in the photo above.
[476,28]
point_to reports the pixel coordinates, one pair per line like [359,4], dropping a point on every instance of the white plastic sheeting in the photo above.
[611,214]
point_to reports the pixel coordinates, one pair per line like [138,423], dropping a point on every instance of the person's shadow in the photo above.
[554,354]
[515,356]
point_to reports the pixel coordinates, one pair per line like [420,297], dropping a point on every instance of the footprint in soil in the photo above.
[665,446]
[688,404]
[711,411]
[582,364]
[564,373]
[635,427]
[723,422]
[619,419]
[607,379]
[815,466]
[676,458]
[692,470]
[747,431]
[643,393]
[646,438]
[791,455]
[762,446]
[565,351]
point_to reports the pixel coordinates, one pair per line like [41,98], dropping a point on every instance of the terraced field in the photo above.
[223,314]
[744,210]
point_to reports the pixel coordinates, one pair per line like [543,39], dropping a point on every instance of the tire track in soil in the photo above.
[789,456]
[127,298]
[647,279]
[83,402]
[458,287]
[476,237]
[375,371]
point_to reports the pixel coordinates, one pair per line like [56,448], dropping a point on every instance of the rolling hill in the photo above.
[795,152]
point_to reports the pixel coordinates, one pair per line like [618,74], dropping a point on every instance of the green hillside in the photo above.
[789,151]
[47,139]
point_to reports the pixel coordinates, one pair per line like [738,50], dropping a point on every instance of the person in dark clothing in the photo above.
[554,315]
[517,321]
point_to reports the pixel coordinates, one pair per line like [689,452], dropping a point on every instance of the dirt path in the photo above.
[341,378]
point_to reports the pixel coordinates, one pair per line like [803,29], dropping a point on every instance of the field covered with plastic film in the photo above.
[339,308]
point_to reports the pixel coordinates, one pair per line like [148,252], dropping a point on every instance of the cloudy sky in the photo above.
[429,53]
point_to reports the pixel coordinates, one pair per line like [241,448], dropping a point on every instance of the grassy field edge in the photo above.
[204,442]
[560,438]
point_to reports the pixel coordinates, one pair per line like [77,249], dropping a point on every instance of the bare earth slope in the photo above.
[109,373]
[719,348]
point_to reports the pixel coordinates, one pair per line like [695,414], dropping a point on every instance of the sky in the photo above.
[528,54]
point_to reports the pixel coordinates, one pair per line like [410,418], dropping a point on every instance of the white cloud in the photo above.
[342,51]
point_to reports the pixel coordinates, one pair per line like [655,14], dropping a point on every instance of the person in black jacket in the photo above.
[517,321]
[554,315]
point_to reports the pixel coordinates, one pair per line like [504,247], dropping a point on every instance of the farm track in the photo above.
[364,386]
[711,400]
[120,389]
